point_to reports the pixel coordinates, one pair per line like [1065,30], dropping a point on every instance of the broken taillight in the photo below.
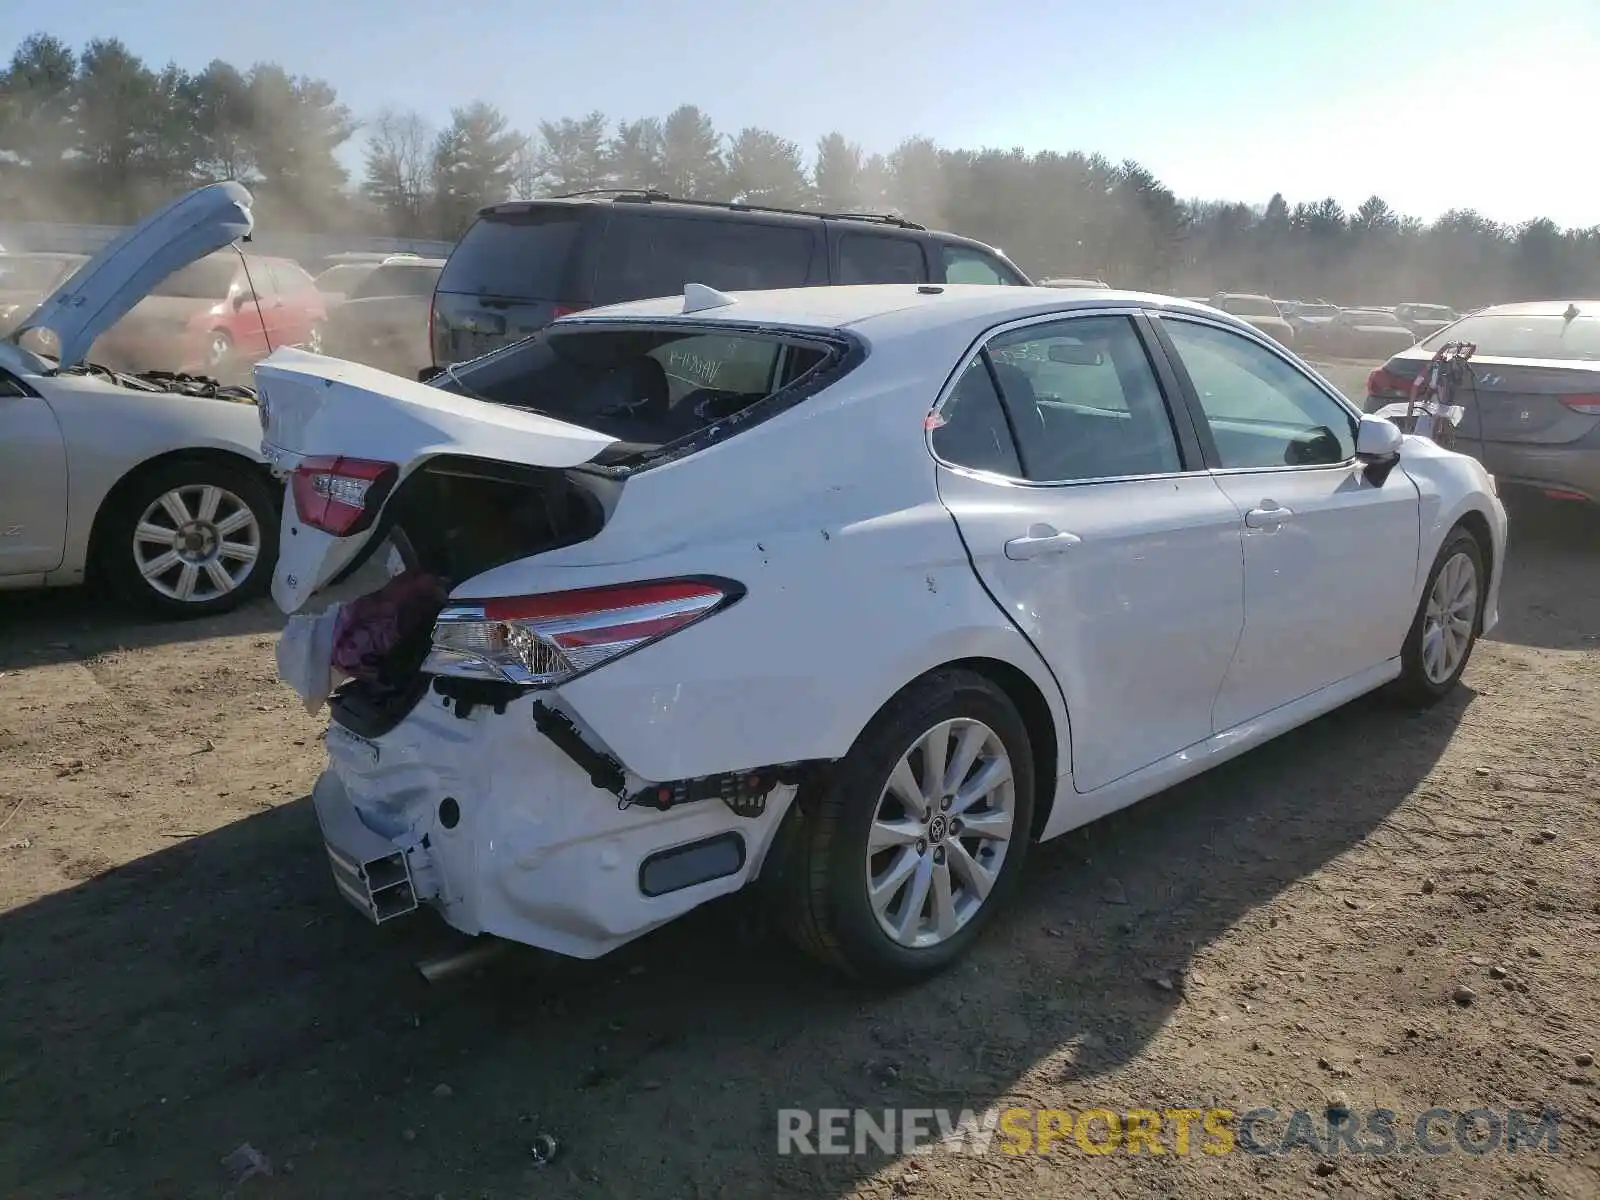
[544,639]
[341,496]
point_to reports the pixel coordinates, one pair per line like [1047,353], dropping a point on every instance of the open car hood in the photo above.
[319,408]
[102,291]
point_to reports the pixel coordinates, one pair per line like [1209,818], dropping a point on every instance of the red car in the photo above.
[217,316]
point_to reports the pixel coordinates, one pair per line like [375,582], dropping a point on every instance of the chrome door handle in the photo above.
[1041,539]
[1268,516]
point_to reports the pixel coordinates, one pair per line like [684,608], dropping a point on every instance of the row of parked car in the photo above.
[1318,327]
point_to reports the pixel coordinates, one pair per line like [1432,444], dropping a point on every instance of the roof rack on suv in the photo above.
[655,196]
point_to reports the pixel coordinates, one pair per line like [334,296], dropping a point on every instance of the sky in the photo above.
[1432,105]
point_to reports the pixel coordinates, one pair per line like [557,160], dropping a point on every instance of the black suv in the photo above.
[522,265]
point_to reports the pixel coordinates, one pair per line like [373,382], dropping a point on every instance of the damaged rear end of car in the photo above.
[491,754]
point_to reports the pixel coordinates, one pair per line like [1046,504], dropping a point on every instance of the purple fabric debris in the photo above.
[370,627]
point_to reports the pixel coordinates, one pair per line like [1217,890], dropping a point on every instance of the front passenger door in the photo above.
[1330,559]
[1111,551]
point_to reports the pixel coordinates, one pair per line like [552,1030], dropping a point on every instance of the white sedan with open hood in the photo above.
[155,481]
[853,591]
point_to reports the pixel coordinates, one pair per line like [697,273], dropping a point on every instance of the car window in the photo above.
[869,258]
[342,279]
[518,256]
[19,274]
[727,364]
[1262,411]
[962,265]
[970,428]
[290,277]
[645,257]
[209,279]
[1519,335]
[1083,400]
[396,280]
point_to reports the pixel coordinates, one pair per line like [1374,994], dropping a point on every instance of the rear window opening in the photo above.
[647,387]
[522,254]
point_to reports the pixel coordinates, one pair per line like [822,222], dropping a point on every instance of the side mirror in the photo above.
[1378,442]
[243,298]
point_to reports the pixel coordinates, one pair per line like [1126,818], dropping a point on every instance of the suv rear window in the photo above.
[645,257]
[516,255]
[646,386]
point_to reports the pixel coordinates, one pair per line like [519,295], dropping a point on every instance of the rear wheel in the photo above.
[1447,622]
[918,834]
[190,539]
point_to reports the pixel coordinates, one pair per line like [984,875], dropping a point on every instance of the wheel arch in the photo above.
[1037,718]
[213,456]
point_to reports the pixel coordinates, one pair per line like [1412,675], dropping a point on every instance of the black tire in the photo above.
[824,878]
[118,562]
[1415,685]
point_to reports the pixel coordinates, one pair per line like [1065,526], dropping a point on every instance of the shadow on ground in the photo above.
[215,994]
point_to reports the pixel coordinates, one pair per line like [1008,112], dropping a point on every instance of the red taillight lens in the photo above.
[544,639]
[1589,406]
[1389,384]
[341,496]
[566,310]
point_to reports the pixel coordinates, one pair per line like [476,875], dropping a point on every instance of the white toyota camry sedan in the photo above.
[854,591]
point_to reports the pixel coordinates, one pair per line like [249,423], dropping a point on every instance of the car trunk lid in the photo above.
[347,436]
[1539,401]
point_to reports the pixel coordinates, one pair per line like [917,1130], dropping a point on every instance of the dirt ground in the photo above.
[179,978]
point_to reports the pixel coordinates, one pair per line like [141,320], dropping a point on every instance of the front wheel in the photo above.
[1446,626]
[917,836]
[316,339]
[190,539]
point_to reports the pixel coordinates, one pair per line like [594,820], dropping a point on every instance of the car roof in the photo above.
[894,308]
[1541,308]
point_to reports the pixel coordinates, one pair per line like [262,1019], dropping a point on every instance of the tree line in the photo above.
[99,136]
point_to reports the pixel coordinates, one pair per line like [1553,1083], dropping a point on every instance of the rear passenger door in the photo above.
[877,258]
[1092,521]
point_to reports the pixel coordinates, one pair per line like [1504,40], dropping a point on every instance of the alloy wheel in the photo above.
[1450,618]
[940,833]
[196,543]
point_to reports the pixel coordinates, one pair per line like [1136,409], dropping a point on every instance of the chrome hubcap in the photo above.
[940,833]
[219,349]
[314,340]
[196,543]
[1449,618]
